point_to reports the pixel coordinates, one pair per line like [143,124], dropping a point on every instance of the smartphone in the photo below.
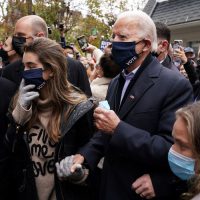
[82,42]
[177,44]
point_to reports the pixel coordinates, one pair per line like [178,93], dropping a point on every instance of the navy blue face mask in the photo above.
[124,53]
[34,77]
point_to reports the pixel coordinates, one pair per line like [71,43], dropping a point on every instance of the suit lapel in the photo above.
[114,94]
[144,82]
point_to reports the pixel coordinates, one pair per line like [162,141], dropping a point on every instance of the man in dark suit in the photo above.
[135,135]
[26,29]
[163,39]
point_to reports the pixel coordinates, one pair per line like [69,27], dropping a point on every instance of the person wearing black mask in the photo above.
[9,52]
[26,29]
[135,135]
[163,40]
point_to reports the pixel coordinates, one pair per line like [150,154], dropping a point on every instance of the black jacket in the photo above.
[193,77]
[16,164]
[76,74]
[7,90]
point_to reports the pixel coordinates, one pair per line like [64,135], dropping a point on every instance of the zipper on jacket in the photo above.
[26,143]
[15,140]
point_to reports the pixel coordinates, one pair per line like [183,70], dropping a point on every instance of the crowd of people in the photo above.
[119,124]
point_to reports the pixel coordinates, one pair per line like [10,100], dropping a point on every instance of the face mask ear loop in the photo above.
[142,47]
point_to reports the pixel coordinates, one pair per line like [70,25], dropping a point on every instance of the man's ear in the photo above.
[147,45]
[40,34]
[164,46]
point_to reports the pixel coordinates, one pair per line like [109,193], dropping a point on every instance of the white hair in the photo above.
[145,26]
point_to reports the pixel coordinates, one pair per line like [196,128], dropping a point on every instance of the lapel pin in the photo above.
[132,97]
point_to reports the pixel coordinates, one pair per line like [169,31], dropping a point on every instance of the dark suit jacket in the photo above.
[141,141]
[169,64]
[7,90]
[76,74]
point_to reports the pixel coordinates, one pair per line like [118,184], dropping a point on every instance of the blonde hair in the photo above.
[61,93]
[145,26]
[191,115]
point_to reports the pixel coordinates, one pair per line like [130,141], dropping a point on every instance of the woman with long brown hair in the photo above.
[51,120]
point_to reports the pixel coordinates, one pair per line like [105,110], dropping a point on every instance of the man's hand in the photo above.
[143,186]
[106,120]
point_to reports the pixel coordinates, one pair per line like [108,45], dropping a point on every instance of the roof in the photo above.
[173,12]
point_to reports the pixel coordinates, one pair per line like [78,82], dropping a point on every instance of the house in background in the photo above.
[181,16]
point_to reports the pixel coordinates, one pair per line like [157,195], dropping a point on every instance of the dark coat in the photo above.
[169,64]
[13,72]
[191,72]
[16,164]
[141,141]
[7,90]
[193,77]
[76,74]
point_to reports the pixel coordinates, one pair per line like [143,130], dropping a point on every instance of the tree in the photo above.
[106,9]
[14,10]
[101,15]
[54,12]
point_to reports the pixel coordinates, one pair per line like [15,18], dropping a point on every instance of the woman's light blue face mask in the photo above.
[182,166]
